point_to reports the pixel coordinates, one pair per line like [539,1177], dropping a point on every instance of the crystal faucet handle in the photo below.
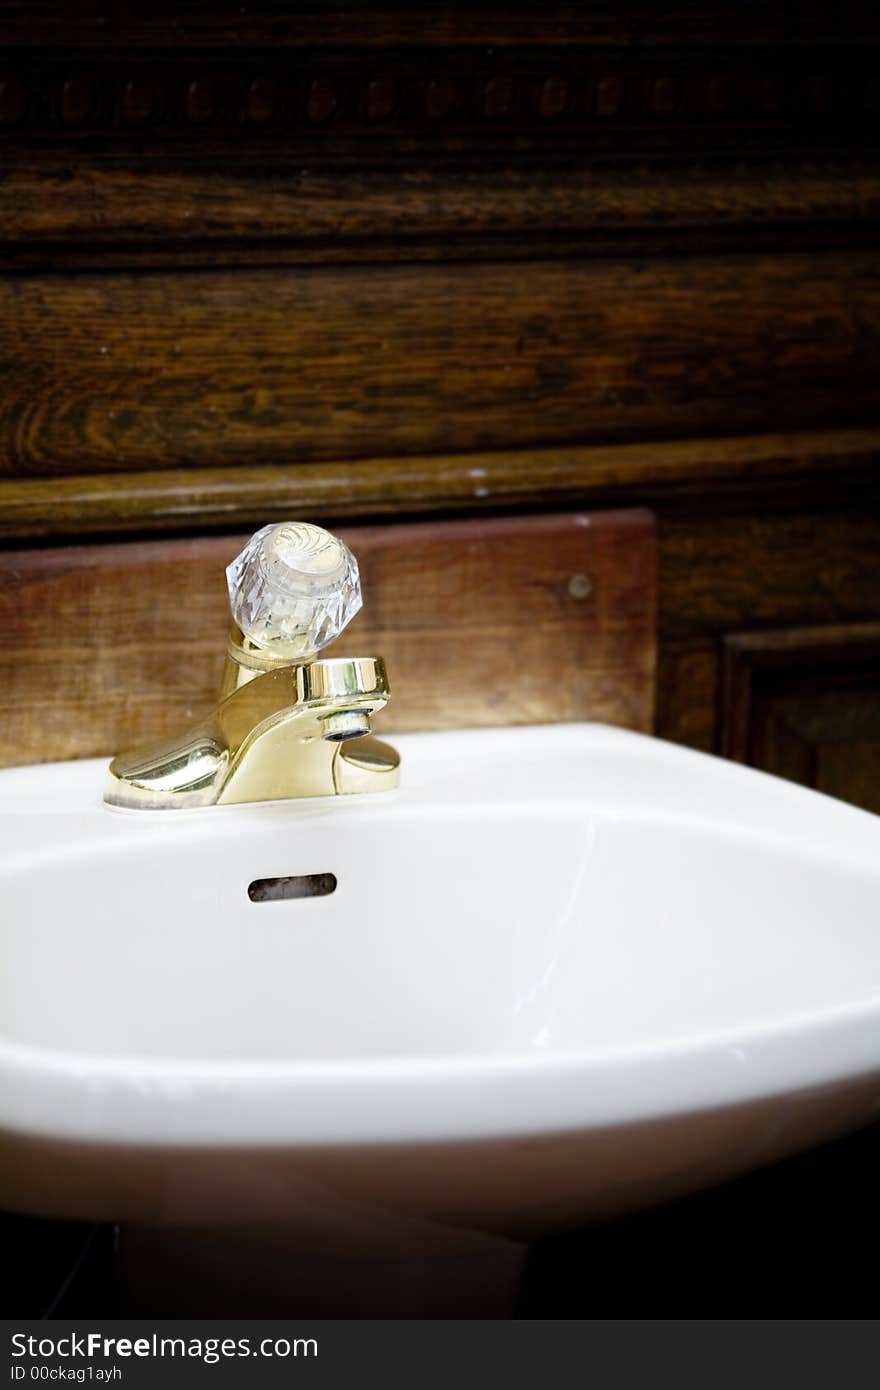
[293,589]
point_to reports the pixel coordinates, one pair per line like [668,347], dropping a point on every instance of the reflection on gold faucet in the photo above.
[284,726]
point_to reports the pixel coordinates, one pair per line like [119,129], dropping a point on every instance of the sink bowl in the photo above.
[564,972]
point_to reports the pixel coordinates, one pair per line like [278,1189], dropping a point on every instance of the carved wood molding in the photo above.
[517,99]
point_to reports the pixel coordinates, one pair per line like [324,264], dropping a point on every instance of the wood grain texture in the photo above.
[106,646]
[721,573]
[687,691]
[119,371]
[190,209]
[744,467]
[804,703]
[361,23]
[740,571]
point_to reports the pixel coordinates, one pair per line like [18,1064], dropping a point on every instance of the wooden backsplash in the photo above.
[520,620]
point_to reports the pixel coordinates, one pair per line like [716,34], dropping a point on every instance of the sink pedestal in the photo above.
[265,1272]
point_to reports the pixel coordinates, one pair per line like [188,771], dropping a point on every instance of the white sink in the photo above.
[565,972]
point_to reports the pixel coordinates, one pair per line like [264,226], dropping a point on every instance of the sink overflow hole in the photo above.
[273,890]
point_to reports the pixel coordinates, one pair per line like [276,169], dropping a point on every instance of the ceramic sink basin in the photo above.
[564,972]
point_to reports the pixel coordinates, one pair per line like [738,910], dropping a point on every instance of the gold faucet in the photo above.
[286,725]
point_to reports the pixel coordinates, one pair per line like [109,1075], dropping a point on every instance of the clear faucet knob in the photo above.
[293,589]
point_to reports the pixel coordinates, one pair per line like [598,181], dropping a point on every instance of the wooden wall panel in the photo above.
[126,371]
[804,703]
[105,646]
[785,568]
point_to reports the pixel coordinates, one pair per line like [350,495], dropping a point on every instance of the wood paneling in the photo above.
[463,23]
[744,466]
[200,133]
[726,573]
[122,371]
[784,567]
[804,703]
[106,646]
[443,97]
[218,208]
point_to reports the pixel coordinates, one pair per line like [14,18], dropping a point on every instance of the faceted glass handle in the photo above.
[293,589]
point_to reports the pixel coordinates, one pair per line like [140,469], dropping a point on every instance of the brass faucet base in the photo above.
[281,733]
[323,769]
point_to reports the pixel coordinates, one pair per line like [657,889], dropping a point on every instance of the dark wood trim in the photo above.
[756,570]
[747,656]
[200,135]
[363,24]
[223,498]
[751,569]
[105,213]
[806,94]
